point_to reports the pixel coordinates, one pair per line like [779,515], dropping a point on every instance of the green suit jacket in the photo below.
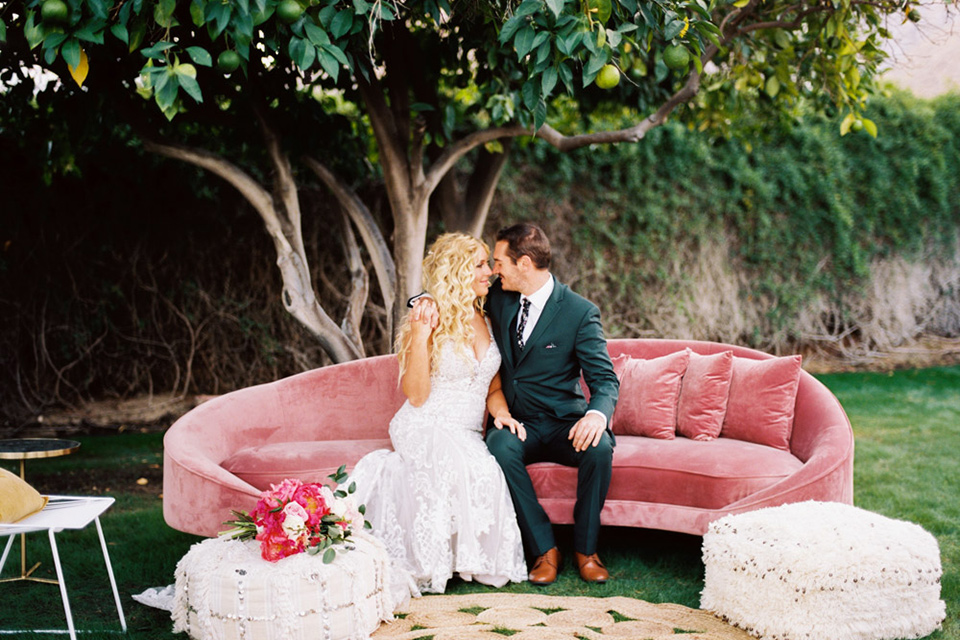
[543,381]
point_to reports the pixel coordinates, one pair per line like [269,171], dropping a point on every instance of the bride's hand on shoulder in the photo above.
[425,310]
[421,328]
[511,423]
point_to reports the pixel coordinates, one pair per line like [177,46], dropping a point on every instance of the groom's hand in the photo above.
[588,431]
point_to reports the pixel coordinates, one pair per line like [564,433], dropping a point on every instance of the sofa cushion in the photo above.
[703,475]
[763,396]
[310,461]
[703,395]
[649,390]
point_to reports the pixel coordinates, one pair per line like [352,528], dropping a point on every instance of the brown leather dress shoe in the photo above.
[591,569]
[545,568]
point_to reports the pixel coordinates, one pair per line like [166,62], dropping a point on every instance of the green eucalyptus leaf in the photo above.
[329,555]
[555,6]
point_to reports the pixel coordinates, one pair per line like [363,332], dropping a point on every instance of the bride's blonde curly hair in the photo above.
[448,275]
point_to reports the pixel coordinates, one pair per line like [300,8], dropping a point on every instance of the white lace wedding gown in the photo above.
[439,501]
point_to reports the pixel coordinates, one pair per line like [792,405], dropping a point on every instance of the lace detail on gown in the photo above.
[439,501]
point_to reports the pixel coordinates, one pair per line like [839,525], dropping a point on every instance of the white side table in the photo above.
[66,512]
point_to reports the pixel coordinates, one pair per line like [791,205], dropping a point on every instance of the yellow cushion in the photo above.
[17,498]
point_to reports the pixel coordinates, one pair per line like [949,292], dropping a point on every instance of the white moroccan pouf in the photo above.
[823,571]
[225,590]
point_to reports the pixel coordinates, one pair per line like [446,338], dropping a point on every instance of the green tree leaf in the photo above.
[200,55]
[523,43]
[555,6]
[71,52]
[191,86]
[548,81]
[341,24]
[316,34]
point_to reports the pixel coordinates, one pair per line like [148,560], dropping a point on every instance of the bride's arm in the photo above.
[415,381]
[497,406]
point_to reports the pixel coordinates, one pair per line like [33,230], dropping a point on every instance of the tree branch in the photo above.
[359,286]
[458,149]
[369,231]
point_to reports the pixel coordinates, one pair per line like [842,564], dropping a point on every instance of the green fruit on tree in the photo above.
[913,15]
[857,125]
[55,11]
[228,61]
[676,56]
[608,78]
[289,11]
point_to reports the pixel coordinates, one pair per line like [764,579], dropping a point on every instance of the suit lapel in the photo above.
[546,317]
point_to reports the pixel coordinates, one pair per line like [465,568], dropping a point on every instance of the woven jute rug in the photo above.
[497,616]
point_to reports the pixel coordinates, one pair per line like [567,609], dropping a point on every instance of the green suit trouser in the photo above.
[548,442]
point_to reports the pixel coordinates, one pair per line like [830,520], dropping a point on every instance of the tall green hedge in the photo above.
[804,210]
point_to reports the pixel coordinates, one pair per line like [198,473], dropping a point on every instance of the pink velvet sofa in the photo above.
[223,453]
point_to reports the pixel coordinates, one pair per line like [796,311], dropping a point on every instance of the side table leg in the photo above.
[113,581]
[63,585]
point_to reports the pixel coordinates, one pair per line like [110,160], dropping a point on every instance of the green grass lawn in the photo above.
[907,428]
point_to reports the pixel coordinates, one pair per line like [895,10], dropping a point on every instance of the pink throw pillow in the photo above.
[703,395]
[763,395]
[649,390]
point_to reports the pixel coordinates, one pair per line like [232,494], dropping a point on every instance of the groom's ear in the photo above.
[525,263]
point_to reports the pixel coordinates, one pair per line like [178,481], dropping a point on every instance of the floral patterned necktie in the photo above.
[524,312]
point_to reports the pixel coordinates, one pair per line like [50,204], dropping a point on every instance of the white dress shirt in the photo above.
[538,300]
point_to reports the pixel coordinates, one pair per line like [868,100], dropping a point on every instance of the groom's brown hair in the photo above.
[526,239]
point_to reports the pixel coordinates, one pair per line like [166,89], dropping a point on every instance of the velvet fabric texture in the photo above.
[703,395]
[17,498]
[649,390]
[762,398]
[220,455]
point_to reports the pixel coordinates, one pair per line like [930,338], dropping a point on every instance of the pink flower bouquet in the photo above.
[293,517]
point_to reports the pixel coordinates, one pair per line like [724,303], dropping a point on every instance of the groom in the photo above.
[547,336]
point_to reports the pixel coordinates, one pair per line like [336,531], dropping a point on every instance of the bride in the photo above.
[439,501]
